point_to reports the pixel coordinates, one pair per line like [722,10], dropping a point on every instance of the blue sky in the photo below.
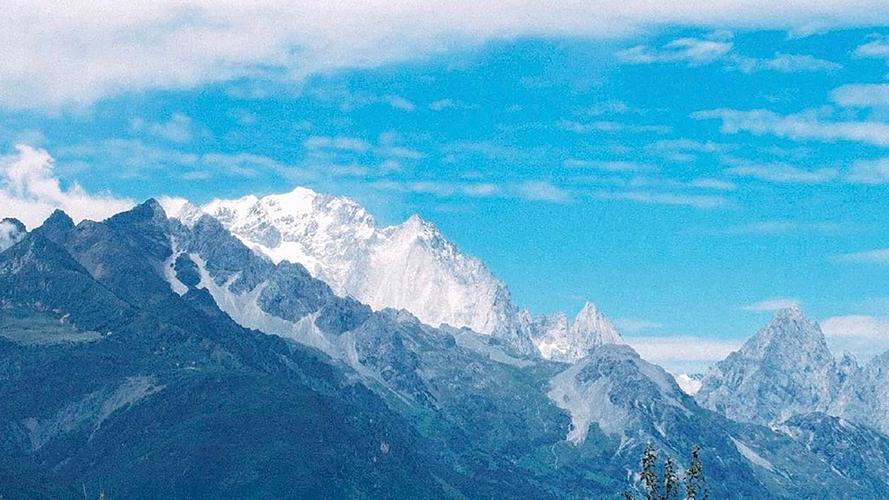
[687,177]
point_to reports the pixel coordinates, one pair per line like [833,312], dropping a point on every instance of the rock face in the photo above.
[411,266]
[784,370]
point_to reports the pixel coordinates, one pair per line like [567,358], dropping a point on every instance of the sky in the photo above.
[690,169]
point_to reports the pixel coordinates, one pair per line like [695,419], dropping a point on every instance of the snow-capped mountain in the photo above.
[410,266]
[784,370]
[559,339]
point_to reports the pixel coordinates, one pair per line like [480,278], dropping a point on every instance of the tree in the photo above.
[668,486]
[695,487]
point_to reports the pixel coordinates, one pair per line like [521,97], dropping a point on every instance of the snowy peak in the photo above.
[410,266]
[591,322]
[557,338]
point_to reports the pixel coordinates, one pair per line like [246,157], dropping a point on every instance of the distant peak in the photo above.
[791,313]
[154,205]
[14,223]
[150,211]
[588,310]
[58,220]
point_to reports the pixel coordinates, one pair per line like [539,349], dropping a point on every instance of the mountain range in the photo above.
[411,266]
[149,356]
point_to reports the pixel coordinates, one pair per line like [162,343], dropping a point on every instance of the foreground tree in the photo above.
[667,486]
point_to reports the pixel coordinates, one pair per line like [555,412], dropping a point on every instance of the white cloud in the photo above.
[636,325]
[862,326]
[610,166]
[682,354]
[869,95]
[798,126]
[869,171]
[863,336]
[878,48]
[58,54]
[401,103]
[179,128]
[785,173]
[878,256]
[342,143]
[29,191]
[774,227]
[689,200]
[543,191]
[784,63]
[772,305]
[694,51]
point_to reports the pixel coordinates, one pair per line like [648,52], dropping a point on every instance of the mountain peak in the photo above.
[786,368]
[793,313]
[11,232]
[588,312]
[56,225]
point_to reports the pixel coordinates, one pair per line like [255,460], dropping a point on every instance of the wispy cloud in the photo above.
[609,165]
[685,150]
[440,188]
[785,174]
[862,326]
[800,126]
[772,304]
[401,103]
[878,256]
[634,325]
[693,51]
[869,171]
[30,191]
[869,95]
[776,227]
[610,126]
[784,63]
[443,104]
[862,335]
[878,48]
[655,198]
[682,354]
[179,128]
[543,191]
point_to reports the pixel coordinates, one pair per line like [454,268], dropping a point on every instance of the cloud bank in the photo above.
[29,191]
[75,53]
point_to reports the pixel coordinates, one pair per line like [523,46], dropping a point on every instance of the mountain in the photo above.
[562,340]
[149,358]
[11,232]
[410,266]
[783,370]
[864,398]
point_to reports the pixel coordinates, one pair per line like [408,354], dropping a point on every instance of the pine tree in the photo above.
[695,487]
[669,486]
[649,476]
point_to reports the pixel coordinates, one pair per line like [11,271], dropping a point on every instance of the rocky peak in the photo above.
[783,370]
